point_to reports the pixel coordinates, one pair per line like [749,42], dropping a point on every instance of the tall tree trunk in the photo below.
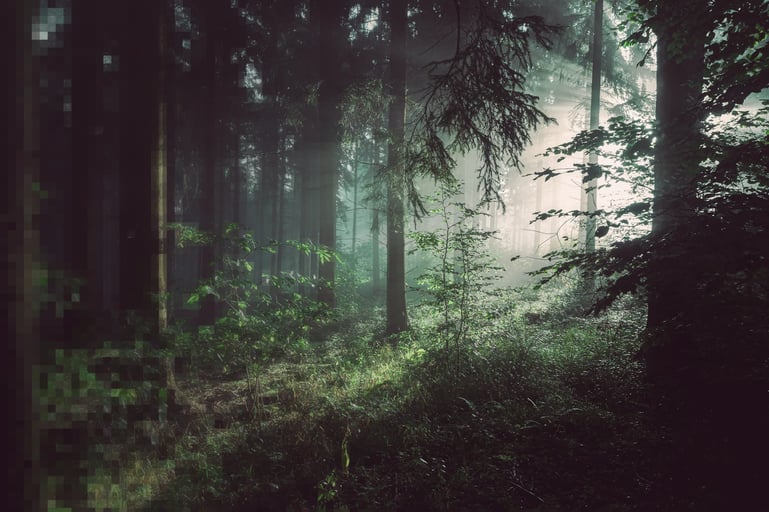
[87,84]
[397,319]
[356,156]
[591,188]
[680,71]
[144,156]
[538,224]
[279,216]
[208,179]
[270,184]
[237,177]
[376,272]
[137,111]
[307,191]
[25,263]
[168,69]
[332,45]
[159,187]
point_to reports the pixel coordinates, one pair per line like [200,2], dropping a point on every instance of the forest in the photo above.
[364,255]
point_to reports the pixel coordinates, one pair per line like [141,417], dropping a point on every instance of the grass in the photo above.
[535,412]
[538,410]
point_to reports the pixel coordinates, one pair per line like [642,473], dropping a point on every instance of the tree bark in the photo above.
[397,319]
[332,43]
[208,180]
[680,72]
[24,255]
[143,152]
[591,188]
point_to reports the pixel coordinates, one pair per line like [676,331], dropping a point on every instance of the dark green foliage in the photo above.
[258,321]
[526,422]
[477,98]
[547,416]
[722,247]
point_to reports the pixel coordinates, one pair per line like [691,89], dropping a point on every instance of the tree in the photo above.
[208,172]
[591,188]
[24,256]
[472,97]
[397,320]
[143,167]
[680,78]
[333,48]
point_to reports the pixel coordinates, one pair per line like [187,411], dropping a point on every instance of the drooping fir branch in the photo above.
[476,99]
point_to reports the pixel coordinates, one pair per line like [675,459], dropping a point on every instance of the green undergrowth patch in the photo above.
[540,414]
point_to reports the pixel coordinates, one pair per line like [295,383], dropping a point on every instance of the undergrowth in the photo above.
[538,410]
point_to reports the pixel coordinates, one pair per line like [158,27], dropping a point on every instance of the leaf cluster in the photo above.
[258,321]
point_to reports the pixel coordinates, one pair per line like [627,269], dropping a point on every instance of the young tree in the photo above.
[472,98]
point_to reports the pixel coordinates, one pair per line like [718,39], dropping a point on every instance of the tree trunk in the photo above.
[538,224]
[159,187]
[308,191]
[86,197]
[169,91]
[279,216]
[208,180]
[376,273]
[356,156]
[591,188]
[270,178]
[397,319]
[680,71]
[331,46]
[25,263]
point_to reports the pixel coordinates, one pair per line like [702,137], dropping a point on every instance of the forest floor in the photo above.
[539,411]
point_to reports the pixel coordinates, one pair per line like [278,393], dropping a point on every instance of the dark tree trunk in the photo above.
[374,157]
[87,84]
[237,178]
[136,142]
[397,320]
[308,190]
[279,215]
[143,157]
[680,61]
[208,181]
[168,69]
[332,43]
[22,205]
[591,189]
[270,185]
